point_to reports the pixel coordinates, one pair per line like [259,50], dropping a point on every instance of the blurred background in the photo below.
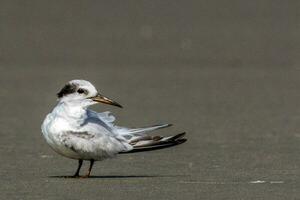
[226,72]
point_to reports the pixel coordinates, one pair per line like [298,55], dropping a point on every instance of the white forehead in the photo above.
[86,85]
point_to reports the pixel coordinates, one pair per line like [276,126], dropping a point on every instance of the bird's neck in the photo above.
[72,112]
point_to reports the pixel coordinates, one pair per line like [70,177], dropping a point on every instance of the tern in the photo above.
[74,131]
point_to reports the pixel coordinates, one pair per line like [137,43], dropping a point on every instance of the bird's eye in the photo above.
[80,91]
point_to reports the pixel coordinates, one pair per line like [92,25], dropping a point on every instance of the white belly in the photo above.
[53,131]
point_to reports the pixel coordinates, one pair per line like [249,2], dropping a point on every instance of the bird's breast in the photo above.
[52,129]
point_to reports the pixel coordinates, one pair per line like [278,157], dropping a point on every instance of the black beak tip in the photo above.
[118,105]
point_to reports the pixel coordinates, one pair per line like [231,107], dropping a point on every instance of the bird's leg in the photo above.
[78,169]
[90,169]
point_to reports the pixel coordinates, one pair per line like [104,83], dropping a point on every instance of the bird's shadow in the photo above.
[118,176]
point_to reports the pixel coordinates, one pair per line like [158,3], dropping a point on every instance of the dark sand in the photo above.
[226,72]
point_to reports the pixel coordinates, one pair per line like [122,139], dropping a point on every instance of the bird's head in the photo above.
[81,92]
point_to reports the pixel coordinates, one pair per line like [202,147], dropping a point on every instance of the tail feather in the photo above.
[149,143]
[148,129]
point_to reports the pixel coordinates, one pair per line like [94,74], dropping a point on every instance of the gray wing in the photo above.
[149,143]
[106,121]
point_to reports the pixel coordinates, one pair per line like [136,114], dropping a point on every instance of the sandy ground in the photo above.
[227,73]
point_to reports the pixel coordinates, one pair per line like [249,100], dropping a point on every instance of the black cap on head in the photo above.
[67,89]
